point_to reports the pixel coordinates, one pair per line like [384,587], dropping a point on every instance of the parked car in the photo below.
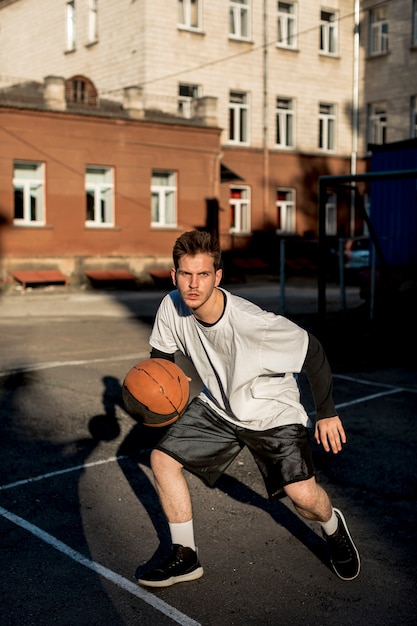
[357,253]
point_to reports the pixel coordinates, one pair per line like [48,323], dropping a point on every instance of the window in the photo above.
[238,117]
[189,14]
[28,185]
[378,123]
[331,214]
[186,96]
[285,123]
[239,209]
[70,20]
[287,25]
[285,210]
[99,196]
[80,91]
[92,34]
[164,199]
[328,32]
[378,35]
[413,111]
[239,19]
[414,24]
[326,127]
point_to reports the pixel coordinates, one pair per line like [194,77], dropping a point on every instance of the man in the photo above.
[247,360]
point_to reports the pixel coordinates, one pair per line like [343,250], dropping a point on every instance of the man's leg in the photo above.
[172,487]
[313,503]
[183,564]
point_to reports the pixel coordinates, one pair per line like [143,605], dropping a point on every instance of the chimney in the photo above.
[54,93]
[133,102]
[206,110]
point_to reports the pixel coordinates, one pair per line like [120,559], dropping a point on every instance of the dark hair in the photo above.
[197,242]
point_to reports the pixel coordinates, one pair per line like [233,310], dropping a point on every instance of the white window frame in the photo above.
[331,215]
[29,181]
[70,25]
[190,14]
[240,19]
[92,23]
[186,100]
[378,30]
[378,123]
[327,127]
[99,186]
[287,25]
[286,210]
[285,123]
[164,199]
[238,118]
[240,209]
[328,32]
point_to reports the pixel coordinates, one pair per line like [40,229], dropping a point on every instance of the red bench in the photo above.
[111,277]
[40,277]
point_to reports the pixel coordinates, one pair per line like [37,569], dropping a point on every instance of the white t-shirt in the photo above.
[246,360]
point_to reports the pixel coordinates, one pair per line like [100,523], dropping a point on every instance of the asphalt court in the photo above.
[78,512]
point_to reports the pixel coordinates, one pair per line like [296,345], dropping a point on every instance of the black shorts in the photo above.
[205,444]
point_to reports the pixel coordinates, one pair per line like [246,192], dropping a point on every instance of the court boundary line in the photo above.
[113,577]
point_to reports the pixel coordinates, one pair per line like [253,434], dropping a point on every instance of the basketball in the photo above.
[155,391]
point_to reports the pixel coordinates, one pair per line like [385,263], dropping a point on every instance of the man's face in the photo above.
[196,280]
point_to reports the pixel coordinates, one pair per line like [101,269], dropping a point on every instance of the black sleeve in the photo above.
[320,378]
[158,354]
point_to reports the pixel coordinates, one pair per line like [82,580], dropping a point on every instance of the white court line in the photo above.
[19,483]
[372,383]
[116,579]
[34,367]
[371,397]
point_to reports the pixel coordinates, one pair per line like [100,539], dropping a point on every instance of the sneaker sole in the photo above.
[354,547]
[168,582]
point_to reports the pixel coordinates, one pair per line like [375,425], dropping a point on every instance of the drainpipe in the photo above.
[265,114]
[355,112]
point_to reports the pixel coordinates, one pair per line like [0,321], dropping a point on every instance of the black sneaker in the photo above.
[183,565]
[344,555]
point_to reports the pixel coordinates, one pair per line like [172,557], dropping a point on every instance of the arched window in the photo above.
[80,91]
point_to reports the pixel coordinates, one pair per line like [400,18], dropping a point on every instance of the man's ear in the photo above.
[174,276]
[219,276]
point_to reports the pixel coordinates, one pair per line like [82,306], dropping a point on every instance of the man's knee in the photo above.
[304,493]
[161,461]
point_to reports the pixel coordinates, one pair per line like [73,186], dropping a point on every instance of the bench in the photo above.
[111,277]
[40,277]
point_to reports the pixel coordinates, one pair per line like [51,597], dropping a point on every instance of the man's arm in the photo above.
[329,430]
[158,354]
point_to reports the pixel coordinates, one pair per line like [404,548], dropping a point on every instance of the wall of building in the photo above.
[391,77]
[149,50]
[66,143]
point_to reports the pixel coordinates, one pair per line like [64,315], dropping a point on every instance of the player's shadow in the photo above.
[106,427]
[279,512]
[133,456]
[133,452]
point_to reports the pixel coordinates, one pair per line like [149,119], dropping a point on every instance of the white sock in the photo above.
[330,527]
[183,534]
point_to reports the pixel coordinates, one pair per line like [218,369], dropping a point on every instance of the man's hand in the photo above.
[330,433]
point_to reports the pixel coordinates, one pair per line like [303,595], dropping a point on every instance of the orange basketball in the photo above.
[156,391]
